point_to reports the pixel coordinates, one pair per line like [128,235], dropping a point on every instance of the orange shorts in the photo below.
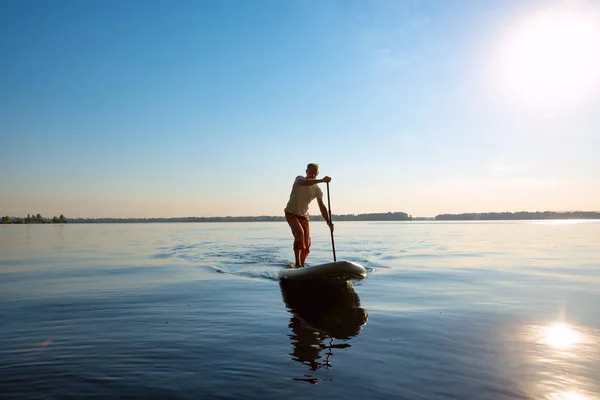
[300,230]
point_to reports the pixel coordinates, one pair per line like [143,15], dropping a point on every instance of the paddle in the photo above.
[331,230]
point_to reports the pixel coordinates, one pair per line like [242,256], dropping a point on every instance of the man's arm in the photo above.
[310,182]
[324,213]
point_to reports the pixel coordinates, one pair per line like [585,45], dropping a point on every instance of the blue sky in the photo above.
[204,108]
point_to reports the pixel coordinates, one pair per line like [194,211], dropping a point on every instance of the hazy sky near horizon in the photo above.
[211,108]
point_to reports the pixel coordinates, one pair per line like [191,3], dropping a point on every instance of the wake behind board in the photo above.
[334,270]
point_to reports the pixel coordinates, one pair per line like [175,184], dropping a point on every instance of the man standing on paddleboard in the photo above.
[304,191]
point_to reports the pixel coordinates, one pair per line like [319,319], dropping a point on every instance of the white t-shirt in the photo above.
[301,196]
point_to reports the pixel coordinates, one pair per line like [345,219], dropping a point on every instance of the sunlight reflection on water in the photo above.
[569,396]
[455,311]
[563,358]
[565,221]
[561,336]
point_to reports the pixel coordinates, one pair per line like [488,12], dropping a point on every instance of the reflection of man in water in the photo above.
[307,343]
[321,311]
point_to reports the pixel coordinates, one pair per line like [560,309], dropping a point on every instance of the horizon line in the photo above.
[318,216]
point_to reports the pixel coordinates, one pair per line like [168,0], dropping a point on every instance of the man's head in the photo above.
[312,170]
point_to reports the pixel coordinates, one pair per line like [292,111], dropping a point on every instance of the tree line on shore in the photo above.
[34,219]
[519,215]
[388,216]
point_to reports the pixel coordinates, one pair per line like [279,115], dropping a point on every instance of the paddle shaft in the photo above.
[330,221]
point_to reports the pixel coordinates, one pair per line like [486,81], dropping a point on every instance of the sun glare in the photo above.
[551,57]
[561,336]
[569,396]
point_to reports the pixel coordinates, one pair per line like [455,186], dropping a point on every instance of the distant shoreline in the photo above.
[389,216]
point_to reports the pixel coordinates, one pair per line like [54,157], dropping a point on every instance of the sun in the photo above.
[551,57]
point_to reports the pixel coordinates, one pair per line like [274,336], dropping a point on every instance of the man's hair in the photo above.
[312,165]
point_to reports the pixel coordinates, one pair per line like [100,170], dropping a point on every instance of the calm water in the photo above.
[466,310]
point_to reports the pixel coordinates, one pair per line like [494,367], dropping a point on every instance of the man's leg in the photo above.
[306,230]
[298,232]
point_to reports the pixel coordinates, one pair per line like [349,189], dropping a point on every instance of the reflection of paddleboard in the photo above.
[329,307]
[334,270]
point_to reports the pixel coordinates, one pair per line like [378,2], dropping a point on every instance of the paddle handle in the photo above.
[330,221]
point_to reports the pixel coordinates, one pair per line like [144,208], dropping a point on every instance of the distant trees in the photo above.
[388,216]
[521,215]
[33,219]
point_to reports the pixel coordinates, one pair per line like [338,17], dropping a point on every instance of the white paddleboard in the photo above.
[334,270]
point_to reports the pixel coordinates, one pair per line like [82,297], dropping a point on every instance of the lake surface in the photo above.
[449,310]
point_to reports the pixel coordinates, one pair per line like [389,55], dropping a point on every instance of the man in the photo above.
[304,191]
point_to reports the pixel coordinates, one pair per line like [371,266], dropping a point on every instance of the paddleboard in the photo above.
[335,270]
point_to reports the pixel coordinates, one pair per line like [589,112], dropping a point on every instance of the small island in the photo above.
[34,219]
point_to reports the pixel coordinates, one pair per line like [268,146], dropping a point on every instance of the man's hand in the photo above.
[330,225]
[326,179]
